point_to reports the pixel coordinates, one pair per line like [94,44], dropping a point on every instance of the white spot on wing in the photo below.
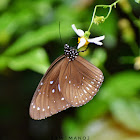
[69,82]
[41,83]
[43,109]
[87,88]
[34,106]
[62,98]
[51,82]
[53,90]
[48,107]
[85,91]
[59,88]
[89,85]
[38,108]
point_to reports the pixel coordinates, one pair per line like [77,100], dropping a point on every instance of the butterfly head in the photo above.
[70,52]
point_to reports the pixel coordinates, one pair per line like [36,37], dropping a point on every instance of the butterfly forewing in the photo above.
[48,99]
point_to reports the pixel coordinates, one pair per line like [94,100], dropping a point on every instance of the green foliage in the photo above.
[35,60]
[87,113]
[138,1]
[31,39]
[124,84]
[71,127]
[127,112]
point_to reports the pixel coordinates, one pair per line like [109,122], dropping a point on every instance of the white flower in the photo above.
[84,38]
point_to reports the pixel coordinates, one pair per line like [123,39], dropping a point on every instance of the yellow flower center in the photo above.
[79,39]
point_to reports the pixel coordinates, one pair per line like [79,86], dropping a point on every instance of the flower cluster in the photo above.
[84,39]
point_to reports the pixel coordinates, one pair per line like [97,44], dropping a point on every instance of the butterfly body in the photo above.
[70,81]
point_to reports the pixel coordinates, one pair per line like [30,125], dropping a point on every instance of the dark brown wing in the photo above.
[48,98]
[80,81]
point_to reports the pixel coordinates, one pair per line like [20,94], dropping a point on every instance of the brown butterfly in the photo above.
[70,81]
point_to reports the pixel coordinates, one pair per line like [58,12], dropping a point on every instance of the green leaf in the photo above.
[127,112]
[92,110]
[36,60]
[125,84]
[31,39]
[35,38]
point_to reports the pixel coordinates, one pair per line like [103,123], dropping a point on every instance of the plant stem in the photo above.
[104,6]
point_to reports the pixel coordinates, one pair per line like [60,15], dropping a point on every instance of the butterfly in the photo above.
[70,81]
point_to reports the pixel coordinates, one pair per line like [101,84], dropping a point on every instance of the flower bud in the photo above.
[99,19]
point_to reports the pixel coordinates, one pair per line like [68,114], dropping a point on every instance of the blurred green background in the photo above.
[30,41]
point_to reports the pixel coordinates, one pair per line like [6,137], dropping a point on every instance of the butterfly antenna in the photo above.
[60,34]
